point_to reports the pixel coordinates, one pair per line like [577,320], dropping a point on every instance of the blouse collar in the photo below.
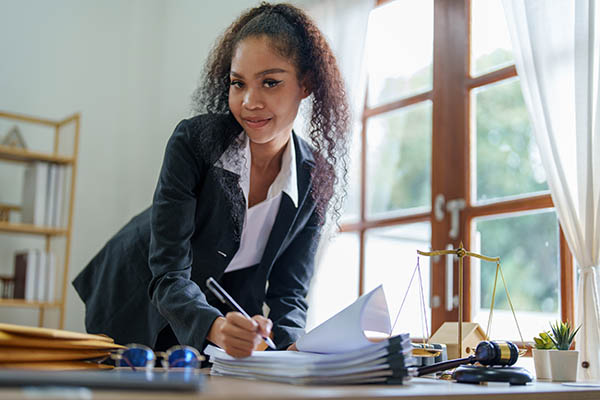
[237,159]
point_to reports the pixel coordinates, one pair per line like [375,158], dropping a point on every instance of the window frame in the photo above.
[451,131]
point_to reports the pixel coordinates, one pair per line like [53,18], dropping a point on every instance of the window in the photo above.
[445,119]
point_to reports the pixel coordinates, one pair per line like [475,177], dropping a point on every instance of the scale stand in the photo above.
[478,374]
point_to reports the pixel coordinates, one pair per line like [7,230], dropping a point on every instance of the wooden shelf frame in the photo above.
[20,155]
[9,227]
[14,154]
[20,303]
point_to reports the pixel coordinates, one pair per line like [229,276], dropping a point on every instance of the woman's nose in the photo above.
[253,100]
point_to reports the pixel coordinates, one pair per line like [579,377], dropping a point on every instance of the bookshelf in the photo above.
[63,152]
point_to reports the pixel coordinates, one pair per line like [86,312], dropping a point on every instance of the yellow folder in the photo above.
[55,365]
[51,333]
[14,340]
[9,354]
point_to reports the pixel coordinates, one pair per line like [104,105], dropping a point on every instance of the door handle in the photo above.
[453,207]
[449,279]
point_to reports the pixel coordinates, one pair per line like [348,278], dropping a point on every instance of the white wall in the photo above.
[129,67]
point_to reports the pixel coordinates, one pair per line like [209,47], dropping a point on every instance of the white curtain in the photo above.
[556,48]
[344,24]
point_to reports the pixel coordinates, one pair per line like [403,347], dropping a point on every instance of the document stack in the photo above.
[384,362]
[25,347]
[339,351]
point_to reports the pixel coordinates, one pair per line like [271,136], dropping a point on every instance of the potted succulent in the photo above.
[563,362]
[541,356]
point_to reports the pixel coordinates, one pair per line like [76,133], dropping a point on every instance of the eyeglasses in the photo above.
[140,356]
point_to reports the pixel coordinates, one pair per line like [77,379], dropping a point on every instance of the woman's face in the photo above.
[264,94]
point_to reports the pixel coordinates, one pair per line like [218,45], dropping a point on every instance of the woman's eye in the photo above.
[271,83]
[236,84]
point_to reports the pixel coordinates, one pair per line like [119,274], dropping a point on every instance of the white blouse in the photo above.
[259,219]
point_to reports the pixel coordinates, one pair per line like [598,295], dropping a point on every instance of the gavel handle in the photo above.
[428,369]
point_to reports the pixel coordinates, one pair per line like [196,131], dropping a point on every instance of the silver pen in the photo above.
[225,298]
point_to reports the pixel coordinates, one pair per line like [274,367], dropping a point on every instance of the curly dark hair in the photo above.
[295,36]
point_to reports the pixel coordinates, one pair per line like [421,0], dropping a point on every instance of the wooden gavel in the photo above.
[487,353]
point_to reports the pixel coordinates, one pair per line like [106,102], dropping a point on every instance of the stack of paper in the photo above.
[384,362]
[43,348]
[338,351]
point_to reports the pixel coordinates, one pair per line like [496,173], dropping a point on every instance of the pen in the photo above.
[225,298]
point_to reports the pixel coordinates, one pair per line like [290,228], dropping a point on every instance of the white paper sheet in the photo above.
[345,331]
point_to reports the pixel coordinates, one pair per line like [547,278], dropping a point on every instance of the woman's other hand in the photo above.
[292,347]
[238,335]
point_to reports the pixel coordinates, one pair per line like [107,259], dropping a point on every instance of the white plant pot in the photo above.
[541,360]
[563,365]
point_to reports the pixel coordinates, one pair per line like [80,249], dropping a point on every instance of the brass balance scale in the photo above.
[496,358]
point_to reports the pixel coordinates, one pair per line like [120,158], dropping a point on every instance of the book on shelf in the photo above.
[50,195]
[35,276]
[40,279]
[58,211]
[34,193]
[353,346]
[25,273]
[50,277]
[43,194]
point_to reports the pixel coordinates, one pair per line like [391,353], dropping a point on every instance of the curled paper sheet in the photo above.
[345,331]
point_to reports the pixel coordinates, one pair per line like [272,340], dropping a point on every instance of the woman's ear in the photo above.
[306,87]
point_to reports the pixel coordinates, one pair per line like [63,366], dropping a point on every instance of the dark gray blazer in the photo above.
[152,273]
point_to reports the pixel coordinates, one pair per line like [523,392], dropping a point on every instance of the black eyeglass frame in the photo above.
[163,355]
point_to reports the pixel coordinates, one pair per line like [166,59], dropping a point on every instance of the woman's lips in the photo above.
[256,122]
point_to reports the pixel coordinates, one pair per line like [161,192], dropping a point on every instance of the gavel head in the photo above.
[496,353]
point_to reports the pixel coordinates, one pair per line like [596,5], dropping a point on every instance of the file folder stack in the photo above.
[27,347]
[385,362]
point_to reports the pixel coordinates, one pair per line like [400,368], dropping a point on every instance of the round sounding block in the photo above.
[476,374]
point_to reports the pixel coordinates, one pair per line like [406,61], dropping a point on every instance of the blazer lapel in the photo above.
[283,222]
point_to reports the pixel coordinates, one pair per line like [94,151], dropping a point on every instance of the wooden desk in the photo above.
[221,388]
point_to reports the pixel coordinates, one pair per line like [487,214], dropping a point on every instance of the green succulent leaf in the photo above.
[563,334]
[543,342]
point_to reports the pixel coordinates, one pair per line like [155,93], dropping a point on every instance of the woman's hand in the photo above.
[238,335]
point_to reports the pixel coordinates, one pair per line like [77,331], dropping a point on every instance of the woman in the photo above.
[240,198]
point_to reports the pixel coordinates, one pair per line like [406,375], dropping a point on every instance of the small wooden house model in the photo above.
[472,334]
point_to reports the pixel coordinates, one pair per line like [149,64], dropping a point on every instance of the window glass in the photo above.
[399,50]
[335,282]
[399,159]
[490,41]
[527,245]
[390,259]
[507,159]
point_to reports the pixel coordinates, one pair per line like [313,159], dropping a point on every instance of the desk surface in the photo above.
[222,388]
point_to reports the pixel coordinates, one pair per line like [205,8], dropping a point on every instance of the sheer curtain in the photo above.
[344,23]
[556,46]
